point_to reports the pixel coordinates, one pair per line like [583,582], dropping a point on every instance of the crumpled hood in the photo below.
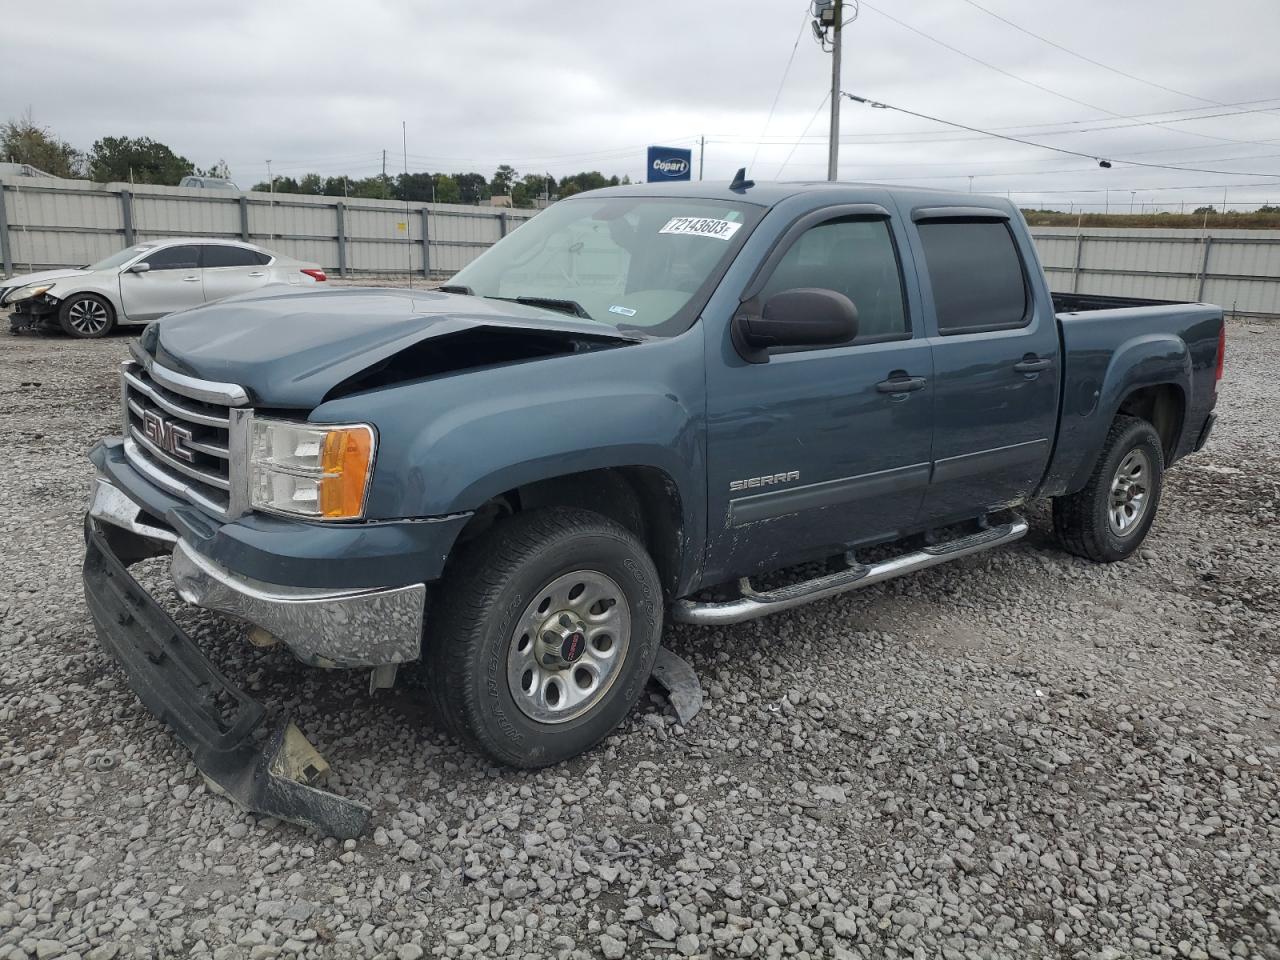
[289,349]
[22,279]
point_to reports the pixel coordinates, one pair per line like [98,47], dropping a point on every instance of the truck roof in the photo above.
[766,193]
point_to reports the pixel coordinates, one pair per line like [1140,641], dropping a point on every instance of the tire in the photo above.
[511,624]
[1108,520]
[86,316]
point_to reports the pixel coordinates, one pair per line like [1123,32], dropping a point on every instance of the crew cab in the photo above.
[649,403]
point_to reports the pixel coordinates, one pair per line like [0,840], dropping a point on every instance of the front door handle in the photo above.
[190,279]
[1031,364]
[900,383]
[257,273]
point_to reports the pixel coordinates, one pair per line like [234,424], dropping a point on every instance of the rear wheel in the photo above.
[1110,517]
[86,316]
[544,636]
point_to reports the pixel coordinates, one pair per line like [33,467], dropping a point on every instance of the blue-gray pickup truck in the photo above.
[697,402]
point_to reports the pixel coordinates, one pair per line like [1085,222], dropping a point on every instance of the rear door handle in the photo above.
[257,273]
[1031,364]
[901,384]
[190,279]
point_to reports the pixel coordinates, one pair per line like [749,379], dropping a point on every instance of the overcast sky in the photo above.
[572,85]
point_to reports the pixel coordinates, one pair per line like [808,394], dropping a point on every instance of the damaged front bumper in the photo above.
[265,768]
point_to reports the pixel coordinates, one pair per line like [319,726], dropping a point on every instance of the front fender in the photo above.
[448,444]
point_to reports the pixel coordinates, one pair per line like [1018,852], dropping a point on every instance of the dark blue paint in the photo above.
[984,433]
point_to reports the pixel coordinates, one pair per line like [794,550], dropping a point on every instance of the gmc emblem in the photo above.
[167,435]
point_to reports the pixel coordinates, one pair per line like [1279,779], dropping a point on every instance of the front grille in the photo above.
[180,442]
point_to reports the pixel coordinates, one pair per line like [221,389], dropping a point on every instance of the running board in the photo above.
[754,603]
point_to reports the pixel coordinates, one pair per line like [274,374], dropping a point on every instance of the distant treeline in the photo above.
[1264,218]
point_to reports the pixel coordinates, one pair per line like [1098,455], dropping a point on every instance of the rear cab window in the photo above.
[976,274]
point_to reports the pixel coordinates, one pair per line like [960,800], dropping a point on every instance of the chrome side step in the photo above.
[754,603]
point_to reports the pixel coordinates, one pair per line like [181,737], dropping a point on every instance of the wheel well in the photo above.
[1163,406]
[645,500]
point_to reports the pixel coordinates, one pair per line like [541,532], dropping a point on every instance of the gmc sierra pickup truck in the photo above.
[647,403]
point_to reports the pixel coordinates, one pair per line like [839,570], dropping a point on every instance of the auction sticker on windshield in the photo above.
[701,227]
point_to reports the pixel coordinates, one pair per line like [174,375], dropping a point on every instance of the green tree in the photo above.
[311,183]
[531,188]
[447,190]
[136,160]
[473,187]
[25,141]
[502,180]
[414,186]
[1204,210]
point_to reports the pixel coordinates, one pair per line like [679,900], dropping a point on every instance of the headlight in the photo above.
[310,470]
[29,291]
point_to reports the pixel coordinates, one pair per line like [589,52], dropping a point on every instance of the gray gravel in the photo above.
[1021,755]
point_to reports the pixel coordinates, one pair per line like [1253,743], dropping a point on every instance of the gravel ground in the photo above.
[1018,755]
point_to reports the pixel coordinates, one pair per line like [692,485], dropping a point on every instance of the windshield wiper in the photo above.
[571,307]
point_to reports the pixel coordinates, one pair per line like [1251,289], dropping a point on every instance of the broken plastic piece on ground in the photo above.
[218,722]
[675,675]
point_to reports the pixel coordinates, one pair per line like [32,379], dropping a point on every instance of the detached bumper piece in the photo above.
[272,771]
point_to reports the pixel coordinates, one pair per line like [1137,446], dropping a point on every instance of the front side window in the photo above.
[853,257]
[639,263]
[184,257]
[976,275]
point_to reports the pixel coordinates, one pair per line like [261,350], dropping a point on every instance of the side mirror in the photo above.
[139,267]
[804,317]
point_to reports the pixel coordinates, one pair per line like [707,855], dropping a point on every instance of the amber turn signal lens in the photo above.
[344,466]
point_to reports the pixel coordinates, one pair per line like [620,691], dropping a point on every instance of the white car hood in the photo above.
[25,278]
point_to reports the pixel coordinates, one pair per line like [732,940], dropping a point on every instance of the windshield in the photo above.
[638,263]
[116,259]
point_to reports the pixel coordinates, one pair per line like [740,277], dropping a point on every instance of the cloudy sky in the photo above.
[572,85]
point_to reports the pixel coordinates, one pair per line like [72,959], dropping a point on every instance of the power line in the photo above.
[1044,146]
[1072,127]
[804,20]
[825,97]
[1030,83]
[1096,63]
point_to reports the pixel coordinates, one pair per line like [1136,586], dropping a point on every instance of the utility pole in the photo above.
[971,184]
[702,152]
[384,174]
[833,146]
[271,187]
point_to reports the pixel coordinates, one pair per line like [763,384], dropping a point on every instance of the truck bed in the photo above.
[1083,302]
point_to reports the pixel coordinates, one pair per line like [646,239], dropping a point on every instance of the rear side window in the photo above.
[976,275]
[229,256]
[175,258]
[853,257]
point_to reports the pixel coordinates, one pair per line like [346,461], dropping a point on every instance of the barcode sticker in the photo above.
[701,227]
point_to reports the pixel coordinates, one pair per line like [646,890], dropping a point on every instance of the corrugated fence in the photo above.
[1237,269]
[50,223]
[57,223]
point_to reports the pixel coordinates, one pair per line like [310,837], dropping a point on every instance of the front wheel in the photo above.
[86,316]
[1110,517]
[544,637]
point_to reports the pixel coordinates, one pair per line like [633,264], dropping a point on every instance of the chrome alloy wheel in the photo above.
[88,316]
[1130,492]
[568,646]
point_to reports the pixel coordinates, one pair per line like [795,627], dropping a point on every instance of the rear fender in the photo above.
[1091,404]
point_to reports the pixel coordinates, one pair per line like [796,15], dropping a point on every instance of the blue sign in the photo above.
[669,163]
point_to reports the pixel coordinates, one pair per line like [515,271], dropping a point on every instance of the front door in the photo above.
[173,283]
[817,450]
[997,365]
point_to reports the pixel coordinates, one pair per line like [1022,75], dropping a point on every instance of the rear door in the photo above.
[817,450]
[229,269]
[173,283]
[996,359]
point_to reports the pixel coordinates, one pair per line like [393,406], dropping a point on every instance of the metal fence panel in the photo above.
[52,223]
